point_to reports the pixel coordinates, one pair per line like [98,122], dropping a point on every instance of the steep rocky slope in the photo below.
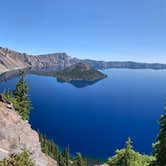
[16,134]
[12,60]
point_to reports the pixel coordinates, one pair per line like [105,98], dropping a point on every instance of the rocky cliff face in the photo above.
[12,60]
[57,60]
[16,134]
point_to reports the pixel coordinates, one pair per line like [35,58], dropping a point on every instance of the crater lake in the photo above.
[98,118]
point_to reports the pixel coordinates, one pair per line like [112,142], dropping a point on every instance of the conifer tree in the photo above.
[127,155]
[160,146]
[79,160]
[21,100]
[51,149]
[61,161]
[66,155]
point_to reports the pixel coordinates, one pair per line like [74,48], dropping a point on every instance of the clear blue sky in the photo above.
[97,29]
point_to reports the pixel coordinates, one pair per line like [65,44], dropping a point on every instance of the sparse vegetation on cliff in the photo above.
[21,159]
[19,97]
[63,158]
[49,147]
[160,146]
[123,157]
[128,157]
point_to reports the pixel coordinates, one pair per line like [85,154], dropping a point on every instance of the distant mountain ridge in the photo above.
[13,60]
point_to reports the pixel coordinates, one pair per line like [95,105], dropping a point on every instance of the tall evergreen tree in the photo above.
[61,160]
[160,146]
[51,149]
[66,155]
[127,155]
[21,100]
[79,160]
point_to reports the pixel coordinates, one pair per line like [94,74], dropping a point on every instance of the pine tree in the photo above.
[51,149]
[160,146]
[127,155]
[79,160]
[21,100]
[61,161]
[66,155]
[21,86]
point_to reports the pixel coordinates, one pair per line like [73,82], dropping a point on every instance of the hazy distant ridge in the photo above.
[12,60]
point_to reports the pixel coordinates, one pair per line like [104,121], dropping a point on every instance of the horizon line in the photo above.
[62,52]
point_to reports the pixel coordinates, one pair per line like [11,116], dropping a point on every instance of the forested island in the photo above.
[79,72]
[13,60]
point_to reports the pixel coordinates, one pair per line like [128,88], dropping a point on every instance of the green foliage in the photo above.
[79,72]
[60,160]
[21,100]
[128,157]
[8,95]
[19,97]
[21,86]
[66,156]
[22,159]
[160,146]
[51,149]
[79,160]
[63,159]
[124,157]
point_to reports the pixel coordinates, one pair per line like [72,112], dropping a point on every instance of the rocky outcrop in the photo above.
[12,60]
[16,134]
[57,60]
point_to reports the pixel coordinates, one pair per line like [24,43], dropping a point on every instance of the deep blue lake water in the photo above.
[98,119]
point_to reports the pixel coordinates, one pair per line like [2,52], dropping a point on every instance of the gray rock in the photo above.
[11,60]
[16,134]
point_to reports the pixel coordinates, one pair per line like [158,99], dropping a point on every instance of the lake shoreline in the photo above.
[97,109]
